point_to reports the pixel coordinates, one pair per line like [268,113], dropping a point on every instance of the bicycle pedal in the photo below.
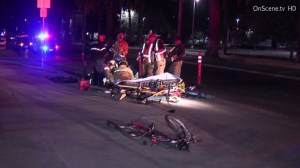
[197,140]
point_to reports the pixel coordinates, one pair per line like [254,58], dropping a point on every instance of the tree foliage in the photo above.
[280,26]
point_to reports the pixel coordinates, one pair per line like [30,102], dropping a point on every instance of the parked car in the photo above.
[51,46]
[2,42]
[23,42]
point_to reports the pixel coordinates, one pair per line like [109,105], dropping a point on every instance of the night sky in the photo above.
[13,11]
[19,8]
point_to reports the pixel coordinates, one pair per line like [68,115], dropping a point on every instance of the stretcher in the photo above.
[150,89]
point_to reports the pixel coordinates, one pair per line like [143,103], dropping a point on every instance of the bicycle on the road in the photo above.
[138,131]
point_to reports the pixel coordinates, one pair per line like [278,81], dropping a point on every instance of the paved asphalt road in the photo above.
[253,121]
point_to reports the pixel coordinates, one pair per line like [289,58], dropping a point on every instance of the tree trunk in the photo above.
[179,26]
[83,36]
[110,13]
[140,23]
[225,26]
[214,30]
[129,22]
[298,37]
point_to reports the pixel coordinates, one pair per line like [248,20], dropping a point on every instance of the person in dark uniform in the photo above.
[177,57]
[98,52]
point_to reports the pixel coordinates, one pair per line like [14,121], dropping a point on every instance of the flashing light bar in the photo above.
[43,36]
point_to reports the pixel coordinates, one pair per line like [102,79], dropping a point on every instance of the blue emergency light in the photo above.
[45,48]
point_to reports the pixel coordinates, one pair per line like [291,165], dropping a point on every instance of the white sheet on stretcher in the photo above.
[165,78]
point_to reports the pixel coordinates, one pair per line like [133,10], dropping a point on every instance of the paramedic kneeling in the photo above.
[123,72]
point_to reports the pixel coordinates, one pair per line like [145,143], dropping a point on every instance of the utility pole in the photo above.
[43,5]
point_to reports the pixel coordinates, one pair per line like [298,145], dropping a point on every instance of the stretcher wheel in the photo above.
[114,92]
[112,95]
[141,101]
[174,99]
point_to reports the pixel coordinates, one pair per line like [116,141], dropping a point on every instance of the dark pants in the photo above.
[175,68]
[94,70]
[147,69]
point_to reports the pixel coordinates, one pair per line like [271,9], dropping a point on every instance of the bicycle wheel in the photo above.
[179,127]
[133,130]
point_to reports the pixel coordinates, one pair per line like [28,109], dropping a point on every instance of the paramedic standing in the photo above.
[98,53]
[153,55]
[159,54]
[147,65]
[120,48]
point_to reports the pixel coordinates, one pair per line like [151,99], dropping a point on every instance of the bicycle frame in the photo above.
[138,131]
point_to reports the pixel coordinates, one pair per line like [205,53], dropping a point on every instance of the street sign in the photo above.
[43,3]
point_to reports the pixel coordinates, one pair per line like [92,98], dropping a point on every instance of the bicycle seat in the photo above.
[151,127]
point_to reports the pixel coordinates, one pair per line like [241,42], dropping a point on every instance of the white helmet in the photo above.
[112,62]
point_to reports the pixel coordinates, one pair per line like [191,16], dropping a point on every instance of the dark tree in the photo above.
[298,36]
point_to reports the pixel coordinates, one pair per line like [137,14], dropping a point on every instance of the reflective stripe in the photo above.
[121,70]
[162,52]
[143,48]
[156,45]
[148,55]
[159,57]
[150,49]
[96,49]
[102,49]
